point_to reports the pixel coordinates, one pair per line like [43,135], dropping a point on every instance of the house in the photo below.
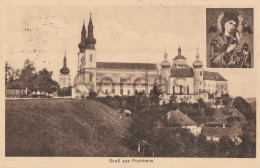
[177,119]
[215,133]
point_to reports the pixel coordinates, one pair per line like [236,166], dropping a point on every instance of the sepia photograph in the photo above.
[230,38]
[129,83]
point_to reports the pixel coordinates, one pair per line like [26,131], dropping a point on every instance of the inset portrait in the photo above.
[229,38]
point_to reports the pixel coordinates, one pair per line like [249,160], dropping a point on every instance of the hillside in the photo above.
[230,115]
[64,127]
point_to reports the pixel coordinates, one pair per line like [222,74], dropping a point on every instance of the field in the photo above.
[64,127]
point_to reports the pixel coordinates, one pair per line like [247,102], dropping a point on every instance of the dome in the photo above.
[64,70]
[81,45]
[179,56]
[90,40]
[197,64]
[165,63]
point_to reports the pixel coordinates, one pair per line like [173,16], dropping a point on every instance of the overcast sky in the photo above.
[123,34]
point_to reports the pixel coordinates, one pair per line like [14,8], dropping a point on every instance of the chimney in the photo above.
[224,125]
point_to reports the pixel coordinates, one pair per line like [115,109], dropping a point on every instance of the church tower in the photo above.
[64,77]
[198,74]
[87,58]
[165,73]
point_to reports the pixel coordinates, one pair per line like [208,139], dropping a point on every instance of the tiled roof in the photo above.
[213,76]
[181,72]
[177,118]
[120,65]
[220,131]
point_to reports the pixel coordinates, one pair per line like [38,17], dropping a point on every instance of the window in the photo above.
[200,73]
[200,83]
[90,77]
[106,92]
[173,88]
[128,92]
[90,58]
[188,90]
[113,91]
[222,86]
[121,91]
[181,89]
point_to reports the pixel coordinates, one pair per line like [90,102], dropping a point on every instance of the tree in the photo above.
[9,73]
[28,75]
[201,103]
[226,99]
[44,82]
[244,107]
[93,95]
[155,94]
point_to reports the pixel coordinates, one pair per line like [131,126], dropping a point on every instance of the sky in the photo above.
[123,34]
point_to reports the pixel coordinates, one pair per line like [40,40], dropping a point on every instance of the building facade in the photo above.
[186,83]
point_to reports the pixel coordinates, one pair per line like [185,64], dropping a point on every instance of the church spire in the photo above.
[65,60]
[90,41]
[179,50]
[197,54]
[65,70]
[197,63]
[83,38]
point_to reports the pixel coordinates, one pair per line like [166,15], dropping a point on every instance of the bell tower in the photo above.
[198,74]
[87,59]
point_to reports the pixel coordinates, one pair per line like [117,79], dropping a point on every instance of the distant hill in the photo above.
[64,127]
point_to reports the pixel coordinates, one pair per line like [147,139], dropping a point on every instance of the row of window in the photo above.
[121,91]
[181,89]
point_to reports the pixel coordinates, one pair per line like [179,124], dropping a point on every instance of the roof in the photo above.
[213,76]
[181,72]
[179,119]
[179,57]
[132,66]
[220,131]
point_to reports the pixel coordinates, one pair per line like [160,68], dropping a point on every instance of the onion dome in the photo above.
[83,38]
[179,56]
[90,41]
[197,63]
[165,63]
[65,70]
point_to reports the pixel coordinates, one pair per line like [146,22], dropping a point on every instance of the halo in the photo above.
[240,22]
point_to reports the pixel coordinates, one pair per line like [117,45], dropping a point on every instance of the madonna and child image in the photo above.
[230,38]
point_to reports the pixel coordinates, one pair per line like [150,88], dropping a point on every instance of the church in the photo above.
[186,83]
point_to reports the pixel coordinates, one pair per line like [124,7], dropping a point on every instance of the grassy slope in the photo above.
[64,127]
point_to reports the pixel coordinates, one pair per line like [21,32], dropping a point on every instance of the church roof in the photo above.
[181,72]
[131,66]
[213,76]
[179,57]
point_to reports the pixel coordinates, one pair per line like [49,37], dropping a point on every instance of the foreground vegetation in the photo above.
[64,127]
[86,127]
[150,129]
